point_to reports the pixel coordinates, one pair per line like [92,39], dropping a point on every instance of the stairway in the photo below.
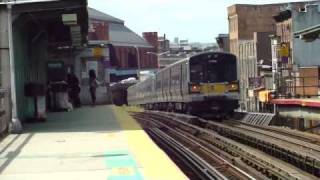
[258,119]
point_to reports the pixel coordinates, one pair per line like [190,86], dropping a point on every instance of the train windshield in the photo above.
[213,68]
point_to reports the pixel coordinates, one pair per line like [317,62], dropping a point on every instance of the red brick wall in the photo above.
[126,54]
[98,30]
[152,39]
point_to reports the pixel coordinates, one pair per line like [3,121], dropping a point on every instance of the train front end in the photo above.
[213,83]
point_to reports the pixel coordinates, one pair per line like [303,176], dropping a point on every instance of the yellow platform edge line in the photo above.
[155,163]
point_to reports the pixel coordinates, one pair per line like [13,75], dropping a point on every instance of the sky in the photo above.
[195,20]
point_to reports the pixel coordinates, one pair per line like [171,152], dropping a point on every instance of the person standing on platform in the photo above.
[74,90]
[93,84]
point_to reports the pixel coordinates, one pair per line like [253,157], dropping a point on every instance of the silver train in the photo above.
[204,83]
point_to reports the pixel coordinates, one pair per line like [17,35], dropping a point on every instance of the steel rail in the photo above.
[194,142]
[193,161]
[291,152]
[225,142]
[289,133]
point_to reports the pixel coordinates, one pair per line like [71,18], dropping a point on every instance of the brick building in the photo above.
[114,51]
[223,42]
[296,61]
[128,51]
[164,44]
[301,109]
[250,28]
[254,70]
[152,38]
[245,19]
[284,24]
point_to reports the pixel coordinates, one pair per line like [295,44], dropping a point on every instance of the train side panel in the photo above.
[204,82]
[185,81]
[158,88]
[166,84]
[176,83]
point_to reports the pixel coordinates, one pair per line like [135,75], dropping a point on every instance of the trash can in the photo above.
[59,96]
[37,92]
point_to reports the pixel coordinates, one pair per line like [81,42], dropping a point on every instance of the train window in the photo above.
[215,68]
[230,71]
[158,84]
[196,73]
[212,74]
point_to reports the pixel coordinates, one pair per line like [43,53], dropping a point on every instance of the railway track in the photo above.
[309,138]
[202,169]
[304,155]
[287,142]
[304,143]
[301,154]
[204,163]
[238,153]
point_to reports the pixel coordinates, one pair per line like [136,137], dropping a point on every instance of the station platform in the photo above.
[103,142]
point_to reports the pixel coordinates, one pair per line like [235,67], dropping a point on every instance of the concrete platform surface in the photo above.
[103,142]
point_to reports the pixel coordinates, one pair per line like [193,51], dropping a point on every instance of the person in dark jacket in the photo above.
[93,84]
[74,89]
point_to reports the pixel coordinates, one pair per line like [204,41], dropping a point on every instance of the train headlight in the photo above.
[233,87]
[195,88]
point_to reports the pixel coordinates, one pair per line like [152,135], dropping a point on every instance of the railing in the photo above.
[299,87]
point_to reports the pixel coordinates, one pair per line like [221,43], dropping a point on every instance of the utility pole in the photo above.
[275,66]
[158,56]
[138,59]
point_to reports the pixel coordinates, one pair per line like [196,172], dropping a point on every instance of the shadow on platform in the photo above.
[86,119]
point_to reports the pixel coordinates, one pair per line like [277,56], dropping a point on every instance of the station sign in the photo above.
[70,19]
[284,50]
[97,52]
[100,52]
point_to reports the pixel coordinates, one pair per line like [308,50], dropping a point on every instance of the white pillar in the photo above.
[12,65]
[15,125]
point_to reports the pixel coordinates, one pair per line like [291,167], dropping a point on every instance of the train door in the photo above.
[180,82]
[165,85]
[169,85]
[172,85]
[175,82]
[184,80]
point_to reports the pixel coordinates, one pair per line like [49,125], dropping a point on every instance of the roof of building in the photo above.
[120,35]
[283,6]
[307,23]
[23,1]
[310,33]
[98,15]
